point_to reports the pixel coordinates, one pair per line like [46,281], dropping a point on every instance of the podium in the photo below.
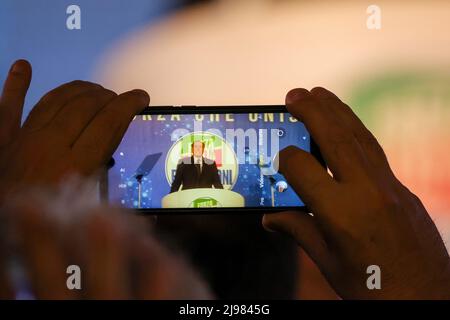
[203,198]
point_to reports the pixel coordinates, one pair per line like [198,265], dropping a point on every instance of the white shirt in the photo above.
[198,160]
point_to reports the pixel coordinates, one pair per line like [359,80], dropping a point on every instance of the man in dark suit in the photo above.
[196,171]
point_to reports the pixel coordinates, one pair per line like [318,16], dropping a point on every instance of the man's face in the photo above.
[197,149]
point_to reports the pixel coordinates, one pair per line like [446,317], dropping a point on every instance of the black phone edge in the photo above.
[189,109]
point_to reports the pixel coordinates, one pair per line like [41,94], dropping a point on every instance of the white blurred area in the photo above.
[254,51]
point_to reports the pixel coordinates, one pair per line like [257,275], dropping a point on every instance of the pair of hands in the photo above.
[362,214]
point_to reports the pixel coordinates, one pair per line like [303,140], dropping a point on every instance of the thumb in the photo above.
[303,228]
[12,99]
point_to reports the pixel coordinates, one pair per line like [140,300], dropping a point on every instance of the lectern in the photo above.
[203,198]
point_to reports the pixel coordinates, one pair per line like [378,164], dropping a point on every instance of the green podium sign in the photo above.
[203,198]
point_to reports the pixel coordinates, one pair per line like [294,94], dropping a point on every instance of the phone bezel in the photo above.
[232,109]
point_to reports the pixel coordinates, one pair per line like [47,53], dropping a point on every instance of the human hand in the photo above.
[73,129]
[117,256]
[362,215]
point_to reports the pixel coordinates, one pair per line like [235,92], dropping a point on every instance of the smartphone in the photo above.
[206,159]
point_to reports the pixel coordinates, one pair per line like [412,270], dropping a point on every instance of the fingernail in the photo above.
[297,94]
[20,66]
[145,96]
[268,225]
[268,229]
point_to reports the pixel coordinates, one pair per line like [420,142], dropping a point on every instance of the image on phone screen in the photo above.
[209,159]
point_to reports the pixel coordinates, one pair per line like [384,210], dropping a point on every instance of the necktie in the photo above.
[199,166]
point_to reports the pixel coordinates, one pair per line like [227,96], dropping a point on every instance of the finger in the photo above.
[12,99]
[304,229]
[104,133]
[369,144]
[50,104]
[43,255]
[161,276]
[307,177]
[73,118]
[106,268]
[339,147]
[149,275]
[151,266]
[6,290]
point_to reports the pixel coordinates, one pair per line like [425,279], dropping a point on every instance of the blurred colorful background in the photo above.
[397,78]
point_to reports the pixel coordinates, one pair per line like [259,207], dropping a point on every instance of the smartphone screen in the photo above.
[205,157]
